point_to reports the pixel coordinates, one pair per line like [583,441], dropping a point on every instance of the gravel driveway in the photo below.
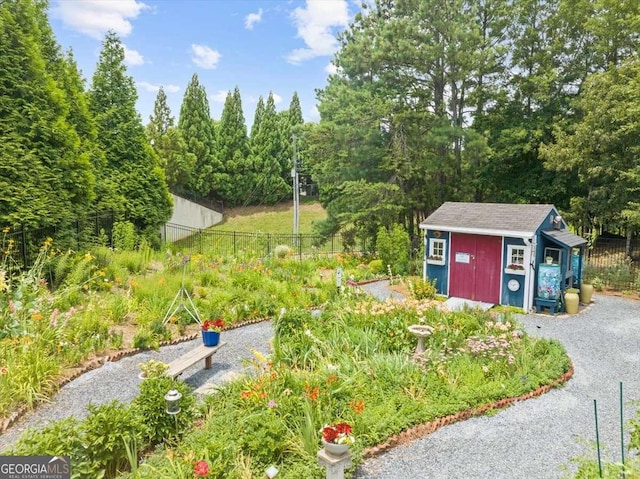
[536,438]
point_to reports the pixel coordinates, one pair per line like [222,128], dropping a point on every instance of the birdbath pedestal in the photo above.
[420,331]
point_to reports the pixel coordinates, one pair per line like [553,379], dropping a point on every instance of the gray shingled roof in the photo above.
[565,237]
[453,216]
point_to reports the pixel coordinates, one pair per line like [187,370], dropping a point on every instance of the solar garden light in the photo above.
[172,400]
[271,472]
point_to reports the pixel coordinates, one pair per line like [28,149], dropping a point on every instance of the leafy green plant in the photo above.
[393,247]
[108,431]
[151,408]
[124,235]
[60,438]
[153,369]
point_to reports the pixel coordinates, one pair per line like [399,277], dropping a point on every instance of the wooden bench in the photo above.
[177,366]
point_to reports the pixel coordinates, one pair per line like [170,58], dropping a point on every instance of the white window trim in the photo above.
[439,262]
[510,248]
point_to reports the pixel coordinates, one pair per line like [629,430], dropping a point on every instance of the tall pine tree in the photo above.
[233,151]
[267,156]
[45,176]
[170,147]
[130,161]
[196,128]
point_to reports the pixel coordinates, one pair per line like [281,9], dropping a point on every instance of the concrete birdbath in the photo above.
[420,331]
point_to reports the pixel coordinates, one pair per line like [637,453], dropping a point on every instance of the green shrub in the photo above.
[59,438]
[124,236]
[107,431]
[282,251]
[421,289]
[393,247]
[376,266]
[150,406]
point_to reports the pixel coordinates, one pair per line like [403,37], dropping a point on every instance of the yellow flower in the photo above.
[37,317]
[88,256]
[6,229]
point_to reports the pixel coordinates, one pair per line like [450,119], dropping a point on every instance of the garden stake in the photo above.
[595,410]
[621,432]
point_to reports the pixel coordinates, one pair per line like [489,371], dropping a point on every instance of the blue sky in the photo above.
[280,46]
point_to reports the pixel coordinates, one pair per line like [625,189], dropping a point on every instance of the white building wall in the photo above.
[189,215]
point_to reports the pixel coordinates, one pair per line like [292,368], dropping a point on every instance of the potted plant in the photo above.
[153,369]
[336,438]
[211,331]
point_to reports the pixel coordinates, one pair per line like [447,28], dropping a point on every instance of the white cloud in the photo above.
[204,56]
[331,69]
[314,114]
[152,87]
[132,57]
[314,24]
[253,18]
[96,17]
[220,96]
[276,98]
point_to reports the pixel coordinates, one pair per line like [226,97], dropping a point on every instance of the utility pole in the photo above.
[296,192]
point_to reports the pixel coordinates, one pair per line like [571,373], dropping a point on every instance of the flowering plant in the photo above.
[515,266]
[216,325]
[337,433]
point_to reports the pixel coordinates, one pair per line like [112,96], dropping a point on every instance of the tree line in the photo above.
[66,149]
[523,101]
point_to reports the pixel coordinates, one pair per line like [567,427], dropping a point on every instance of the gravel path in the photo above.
[119,379]
[532,439]
[536,438]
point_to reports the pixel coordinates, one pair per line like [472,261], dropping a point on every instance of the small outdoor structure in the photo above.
[511,254]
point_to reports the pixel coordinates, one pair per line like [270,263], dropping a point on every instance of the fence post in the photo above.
[24,247]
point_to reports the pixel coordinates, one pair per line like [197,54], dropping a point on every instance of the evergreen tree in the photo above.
[169,145]
[233,151]
[257,117]
[45,176]
[130,161]
[196,128]
[267,156]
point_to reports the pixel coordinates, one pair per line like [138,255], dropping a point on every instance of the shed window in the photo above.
[515,255]
[437,250]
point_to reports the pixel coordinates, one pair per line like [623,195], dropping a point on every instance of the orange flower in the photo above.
[312,392]
[357,406]
[37,317]
[3,371]
[331,379]
[245,394]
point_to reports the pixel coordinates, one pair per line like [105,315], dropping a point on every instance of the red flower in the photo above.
[201,469]
[338,433]
[216,325]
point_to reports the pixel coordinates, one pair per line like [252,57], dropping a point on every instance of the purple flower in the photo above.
[272,404]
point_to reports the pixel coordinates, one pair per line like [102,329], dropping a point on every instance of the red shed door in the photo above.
[475,267]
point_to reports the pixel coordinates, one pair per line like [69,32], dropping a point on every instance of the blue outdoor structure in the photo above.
[511,254]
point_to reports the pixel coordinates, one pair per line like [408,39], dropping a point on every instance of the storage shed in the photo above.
[511,254]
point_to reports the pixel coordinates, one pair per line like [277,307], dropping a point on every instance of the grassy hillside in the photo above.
[277,219]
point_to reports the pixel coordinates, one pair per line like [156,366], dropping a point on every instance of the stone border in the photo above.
[422,430]
[99,362]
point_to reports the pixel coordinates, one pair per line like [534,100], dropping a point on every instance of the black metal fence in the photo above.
[226,243]
[22,245]
[609,264]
